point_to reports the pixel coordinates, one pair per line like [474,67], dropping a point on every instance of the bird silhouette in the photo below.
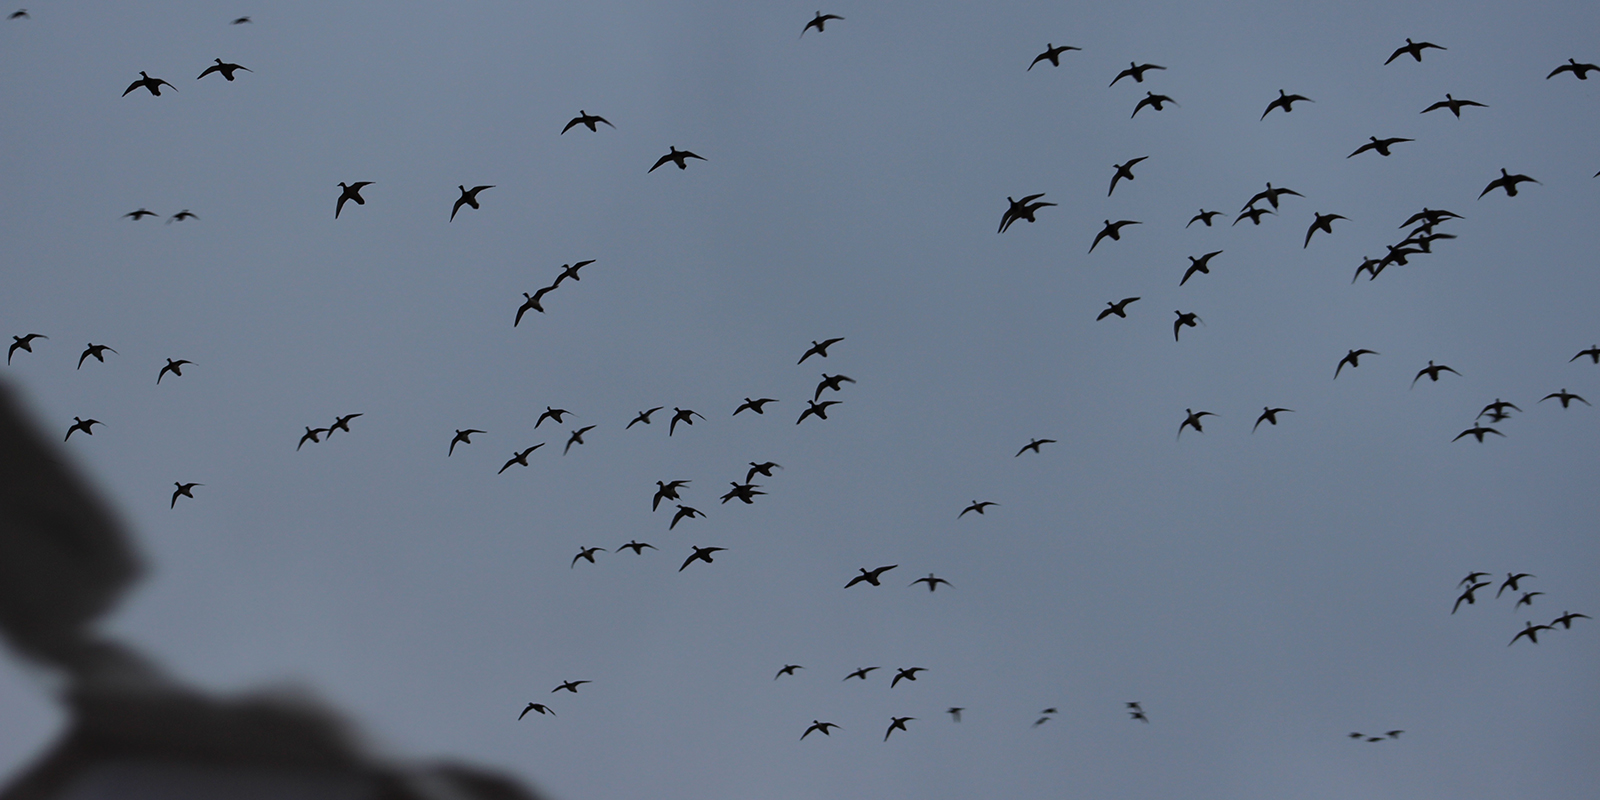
[1152,100]
[1506,181]
[182,216]
[1252,214]
[834,382]
[1593,352]
[1472,577]
[1286,102]
[1454,105]
[1469,596]
[588,553]
[1498,407]
[1432,371]
[551,413]
[683,513]
[1566,618]
[140,213]
[1269,415]
[869,576]
[1021,210]
[99,351]
[754,405]
[910,674]
[820,22]
[667,491]
[25,343]
[1118,308]
[1051,54]
[1185,320]
[1369,266]
[1204,216]
[1193,421]
[587,120]
[1112,230]
[1353,358]
[1323,222]
[860,673]
[576,438]
[21,13]
[932,581]
[1431,216]
[314,435]
[744,492]
[675,156]
[1565,397]
[788,669]
[351,192]
[1478,431]
[520,458]
[820,727]
[1200,264]
[1512,582]
[1579,71]
[700,554]
[684,415]
[820,410]
[1531,631]
[539,707]
[644,416]
[1526,600]
[531,304]
[976,506]
[637,547]
[1134,71]
[955,713]
[1123,171]
[764,468]
[1034,446]
[571,271]
[153,84]
[183,490]
[1271,195]
[240,21]
[819,348]
[174,367]
[462,437]
[896,723]
[342,423]
[1413,49]
[1380,146]
[224,68]
[469,197]
[1139,715]
[571,686]
[81,424]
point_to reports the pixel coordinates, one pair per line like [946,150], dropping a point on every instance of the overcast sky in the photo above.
[1262,594]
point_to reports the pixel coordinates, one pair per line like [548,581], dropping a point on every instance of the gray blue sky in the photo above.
[1261,594]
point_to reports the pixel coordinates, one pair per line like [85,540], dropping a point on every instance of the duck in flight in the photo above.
[834,382]
[461,437]
[140,213]
[764,468]
[587,120]
[860,673]
[183,490]
[1593,352]
[820,727]
[1566,618]
[1252,214]
[1271,195]
[1200,264]
[1512,582]
[519,458]
[1454,105]
[81,424]
[588,553]
[1526,600]
[909,673]
[788,669]
[684,415]
[869,576]
[351,192]
[819,348]
[1184,320]
[644,416]
[240,21]
[1118,308]
[153,84]
[182,216]
[1531,631]
[1323,222]
[1353,358]
[1034,446]
[1123,171]
[753,405]
[224,68]
[820,22]
[551,413]
[99,350]
[933,582]
[174,367]
[666,491]
[1269,415]
[976,506]
[571,686]
[955,713]
[1136,72]
[1204,216]
[896,723]
[1380,146]
[1112,230]
[1478,431]
[1472,577]
[1152,100]
[1286,102]
[571,271]
[1432,371]
[1579,71]
[469,197]
[539,707]
[26,343]
[1470,595]
[1506,181]
[1051,54]
[1413,49]
[1565,397]
[700,554]
[532,304]
[1021,209]
[313,435]
[820,410]
[744,492]
[685,512]
[576,438]
[1193,421]
[676,156]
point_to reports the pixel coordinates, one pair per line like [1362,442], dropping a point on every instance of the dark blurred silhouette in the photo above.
[133,730]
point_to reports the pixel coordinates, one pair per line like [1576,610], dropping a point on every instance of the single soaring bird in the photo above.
[1579,71]
[764,468]
[1271,195]
[174,367]
[1252,214]
[1118,308]
[153,84]
[182,216]
[571,271]
[576,438]
[1565,397]
[1478,431]
[1193,421]
[788,669]
[351,192]
[644,416]
[896,723]
[1200,264]
[519,458]
[587,120]
[685,512]
[820,22]
[99,350]
[571,686]
[821,727]
[700,554]
[183,490]
[1286,102]
[1323,222]
[666,491]
[909,673]
[1512,582]
[754,405]
[225,68]
[1123,171]
[1034,446]
[551,413]
[1506,181]
[26,343]
[860,673]
[588,553]
[1204,216]
[462,437]
[684,415]
[1470,595]
[1531,631]
[1184,320]
[539,707]
[820,410]
[1454,105]
[1113,230]
[469,197]
[1353,358]
[1593,352]
[1432,371]
[1051,54]
[834,382]
[869,576]
[976,506]
[1413,49]
[1136,72]
[81,424]
[141,213]
[819,348]
[1380,145]
[1269,415]
[1153,100]
[313,435]
[636,546]
[531,304]
[933,582]
[675,156]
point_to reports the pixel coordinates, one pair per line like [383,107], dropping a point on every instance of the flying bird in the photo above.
[1566,618]
[1353,358]
[571,686]
[976,506]
[1185,319]
[224,68]
[174,367]
[1565,397]
[637,547]
[1286,102]
[1123,171]
[819,348]
[869,576]
[576,438]
[462,437]
[1478,431]
[342,423]
[1526,600]
[910,674]
[820,410]
[685,512]
[1113,230]
[1512,582]
[1252,214]
[26,343]
[860,673]
[1498,407]
[240,21]
[700,554]
[141,213]
[896,723]
[834,382]
[587,120]
[1579,71]
[1593,352]
[1204,216]
[1021,209]
[99,350]
[1531,631]
[1118,308]
[1193,421]
[1051,54]
[821,727]
[1200,264]
[469,197]
[955,713]
[539,707]
[1271,195]
[153,84]
[644,416]
[21,13]
[676,156]
[1454,105]
[764,468]
[586,552]
[1413,49]
[1139,715]
[551,413]
[1431,216]
[744,492]
[667,491]
[519,458]
[1136,72]
[183,490]
[1153,100]
[1506,181]
[314,435]
[571,271]
[1269,415]
[819,22]
[788,669]
[932,581]
[81,424]
[1323,222]
[351,192]
[1470,596]
[182,216]
[753,405]
[684,415]
[1381,146]
[1034,446]
[1472,577]
[531,303]
[1432,371]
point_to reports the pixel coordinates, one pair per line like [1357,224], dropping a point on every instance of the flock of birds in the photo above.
[1420,237]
